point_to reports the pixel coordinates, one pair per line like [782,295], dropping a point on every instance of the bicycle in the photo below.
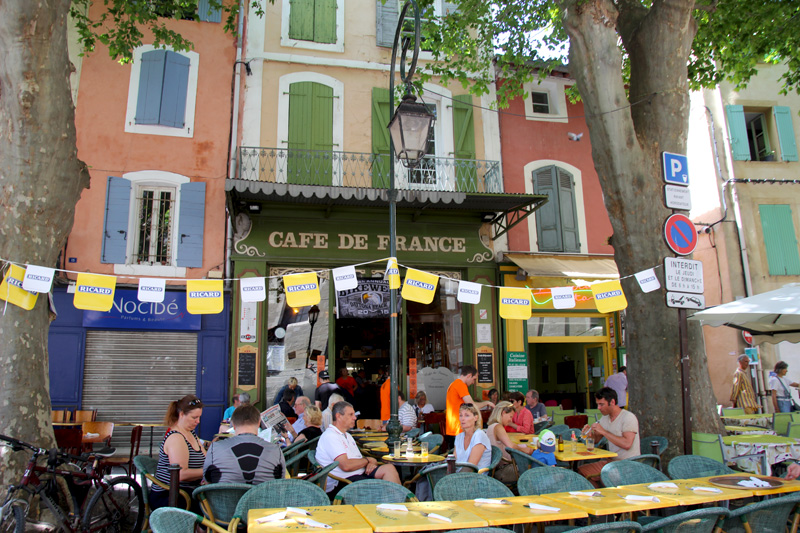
[77,499]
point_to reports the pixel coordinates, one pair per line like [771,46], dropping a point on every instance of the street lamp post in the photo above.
[313,315]
[409,127]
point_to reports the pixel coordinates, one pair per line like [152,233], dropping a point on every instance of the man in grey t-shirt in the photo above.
[244,458]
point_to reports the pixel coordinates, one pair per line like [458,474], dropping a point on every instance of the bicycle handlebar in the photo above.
[18,445]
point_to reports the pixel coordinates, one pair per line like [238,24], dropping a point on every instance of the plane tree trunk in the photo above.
[630,125]
[41,180]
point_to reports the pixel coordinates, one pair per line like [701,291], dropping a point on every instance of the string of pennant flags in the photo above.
[22,284]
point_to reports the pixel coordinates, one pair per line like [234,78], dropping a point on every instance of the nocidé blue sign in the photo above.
[129,313]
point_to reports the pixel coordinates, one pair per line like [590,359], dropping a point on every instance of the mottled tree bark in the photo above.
[630,126]
[41,180]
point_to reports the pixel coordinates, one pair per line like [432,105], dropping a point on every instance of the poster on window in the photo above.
[370,299]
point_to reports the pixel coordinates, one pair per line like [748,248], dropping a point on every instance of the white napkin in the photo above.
[540,507]
[754,482]
[392,507]
[637,498]
[585,494]
[439,517]
[274,517]
[706,489]
[92,435]
[312,523]
[490,500]
[663,485]
[297,510]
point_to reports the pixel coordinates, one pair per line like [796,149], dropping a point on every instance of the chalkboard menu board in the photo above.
[485,359]
[247,369]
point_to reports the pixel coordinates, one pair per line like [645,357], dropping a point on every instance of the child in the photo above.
[547,448]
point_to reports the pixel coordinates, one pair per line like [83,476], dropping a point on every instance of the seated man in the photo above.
[244,458]
[300,405]
[619,426]
[406,414]
[287,404]
[336,444]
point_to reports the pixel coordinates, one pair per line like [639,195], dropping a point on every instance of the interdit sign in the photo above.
[128,312]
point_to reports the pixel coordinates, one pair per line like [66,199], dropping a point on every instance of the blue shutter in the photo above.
[780,240]
[191,218]
[173,94]
[386,22]
[570,233]
[737,131]
[548,218]
[783,119]
[208,14]
[151,79]
[115,223]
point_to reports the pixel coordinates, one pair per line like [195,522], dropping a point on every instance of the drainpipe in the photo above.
[237,77]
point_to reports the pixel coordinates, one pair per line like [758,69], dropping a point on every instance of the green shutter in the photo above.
[301,20]
[570,234]
[780,241]
[464,144]
[783,120]
[548,223]
[325,21]
[381,114]
[310,134]
[737,131]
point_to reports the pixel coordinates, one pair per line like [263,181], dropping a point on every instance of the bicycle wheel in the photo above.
[13,520]
[117,507]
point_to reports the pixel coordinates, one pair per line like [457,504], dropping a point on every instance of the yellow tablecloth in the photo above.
[686,496]
[517,513]
[612,501]
[383,521]
[341,518]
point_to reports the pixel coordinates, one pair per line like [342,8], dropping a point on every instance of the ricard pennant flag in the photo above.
[94,292]
[204,296]
[608,296]
[301,289]
[515,303]
[419,286]
[11,289]
[392,274]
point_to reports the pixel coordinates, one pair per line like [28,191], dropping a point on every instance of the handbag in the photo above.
[795,405]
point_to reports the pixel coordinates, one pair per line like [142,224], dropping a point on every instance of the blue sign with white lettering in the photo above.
[129,313]
[676,169]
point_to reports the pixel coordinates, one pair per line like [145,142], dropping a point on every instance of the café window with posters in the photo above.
[434,331]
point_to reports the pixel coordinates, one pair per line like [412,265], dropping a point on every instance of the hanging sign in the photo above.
[419,286]
[11,289]
[392,274]
[302,289]
[412,377]
[680,234]
[608,296]
[94,292]
[515,303]
[370,299]
[647,280]
[517,371]
[469,292]
[344,278]
[151,290]
[253,289]
[563,297]
[204,296]
[38,279]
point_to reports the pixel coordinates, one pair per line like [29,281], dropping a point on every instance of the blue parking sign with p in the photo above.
[676,169]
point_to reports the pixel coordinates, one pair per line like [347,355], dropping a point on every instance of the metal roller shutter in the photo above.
[132,376]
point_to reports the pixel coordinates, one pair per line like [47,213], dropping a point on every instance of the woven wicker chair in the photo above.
[464,486]
[172,520]
[626,472]
[146,468]
[645,444]
[768,516]
[613,527]
[549,480]
[522,461]
[497,454]
[375,491]
[697,521]
[558,428]
[278,493]
[312,456]
[648,459]
[689,466]
[219,500]
[413,432]
[320,475]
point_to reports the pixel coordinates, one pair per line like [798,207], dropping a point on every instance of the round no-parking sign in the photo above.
[680,234]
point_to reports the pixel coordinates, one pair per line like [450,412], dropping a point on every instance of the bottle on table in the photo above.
[409,448]
[451,464]
[574,443]
[560,444]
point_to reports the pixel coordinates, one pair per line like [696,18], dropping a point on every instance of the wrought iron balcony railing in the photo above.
[365,170]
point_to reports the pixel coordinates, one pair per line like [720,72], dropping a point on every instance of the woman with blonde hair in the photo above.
[472,444]
[500,417]
[313,418]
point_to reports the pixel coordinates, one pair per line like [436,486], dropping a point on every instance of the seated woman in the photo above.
[522,421]
[313,418]
[472,444]
[182,446]
[500,417]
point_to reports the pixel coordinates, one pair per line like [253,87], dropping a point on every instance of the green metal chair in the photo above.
[550,409]
[648,459]
[375,491]
[559,416]
[522,461]
[780,423]
[645,444]
[497,454]
[768,516]
[320,476]
[732,411]
[628,472]
[793,431]
[697,521]
[413,432]
[434,441]
[278,493]
[710,445]
[294,463]
[612,527]
[434,473]
[312,456]
[173,520]
[537,481]
[466,486]
[595,412]
[219,500]
[690,466]
[146,469]
[557,428]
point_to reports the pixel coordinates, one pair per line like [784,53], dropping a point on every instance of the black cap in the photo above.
[324,375]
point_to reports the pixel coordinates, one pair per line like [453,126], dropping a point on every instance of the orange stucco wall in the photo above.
[108,150]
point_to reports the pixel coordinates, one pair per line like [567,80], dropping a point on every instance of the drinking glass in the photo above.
[534,443]
[589,444]
[423,448]
[398,445]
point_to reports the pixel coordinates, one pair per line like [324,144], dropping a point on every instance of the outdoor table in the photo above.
[66,424]
[416,461]
[763,420]
[686,496]
[777,449]
[749,430]
[152,427]
[383,448]
[582,454]
[517,513]
[372,438]
[341,518]
[611,501]
[520,438]
[383,521]
[787,486]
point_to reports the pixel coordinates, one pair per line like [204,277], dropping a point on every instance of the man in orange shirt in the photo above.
[458,394]
[346,381]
